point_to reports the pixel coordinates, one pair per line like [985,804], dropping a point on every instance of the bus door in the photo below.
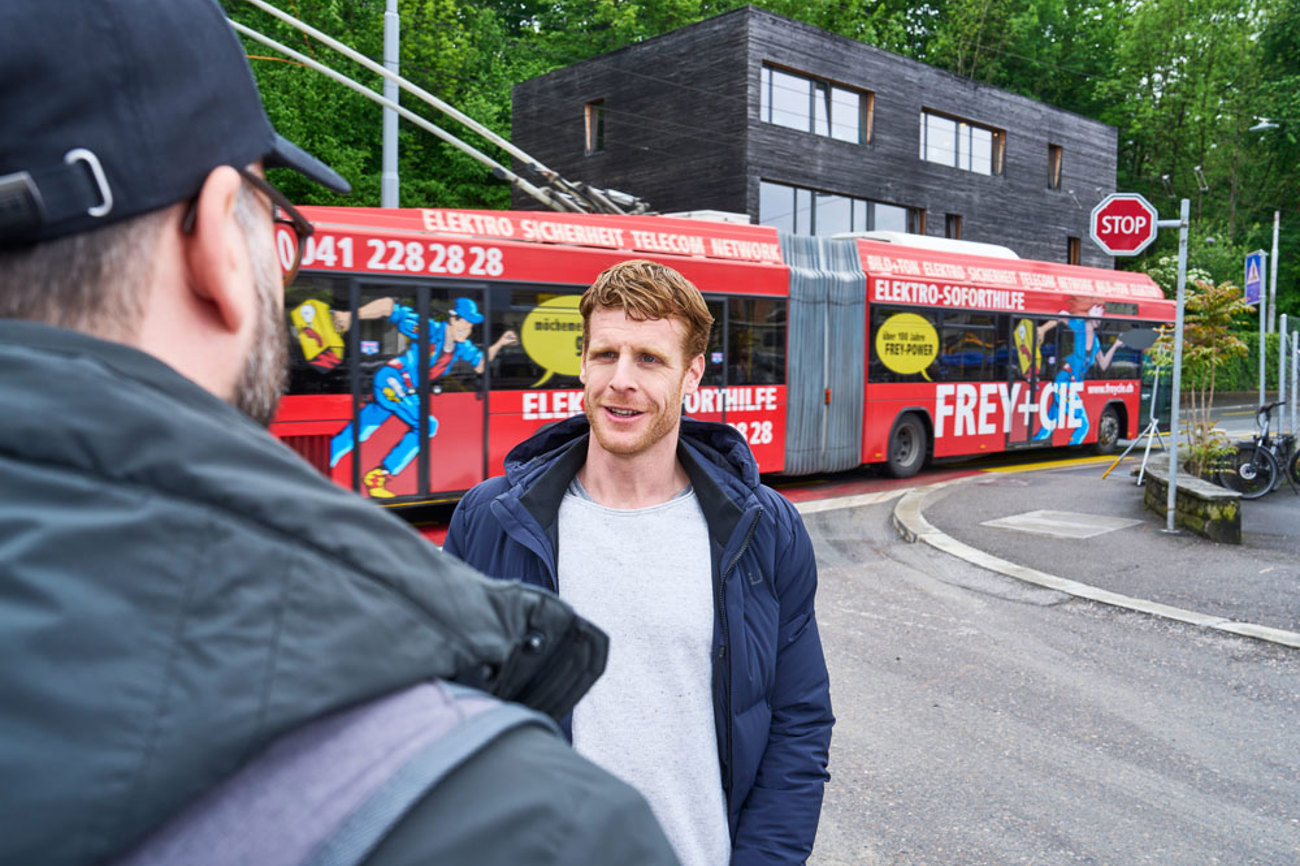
[1025,373]
[417,428]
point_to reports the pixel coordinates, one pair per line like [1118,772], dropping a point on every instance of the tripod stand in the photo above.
[1151,434]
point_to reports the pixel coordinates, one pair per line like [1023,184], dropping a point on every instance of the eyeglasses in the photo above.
[282,213]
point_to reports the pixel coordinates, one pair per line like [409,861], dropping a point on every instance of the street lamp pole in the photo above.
[389,185]
[1263,126]
[1272,274]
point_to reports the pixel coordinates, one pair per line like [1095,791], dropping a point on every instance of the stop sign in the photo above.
[1124,224]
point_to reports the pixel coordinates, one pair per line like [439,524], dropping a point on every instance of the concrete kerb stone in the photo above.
[910,523]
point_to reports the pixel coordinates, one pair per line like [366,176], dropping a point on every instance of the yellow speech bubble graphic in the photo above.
[552,337]
[907,343]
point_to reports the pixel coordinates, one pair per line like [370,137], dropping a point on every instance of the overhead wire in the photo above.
[496,168]
[567,195]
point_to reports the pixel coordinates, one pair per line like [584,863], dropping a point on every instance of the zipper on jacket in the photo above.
[722,655]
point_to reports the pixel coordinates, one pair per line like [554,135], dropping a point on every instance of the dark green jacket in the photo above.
[177,588]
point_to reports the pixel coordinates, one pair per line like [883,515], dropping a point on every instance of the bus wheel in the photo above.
[906,447]
[1107,431]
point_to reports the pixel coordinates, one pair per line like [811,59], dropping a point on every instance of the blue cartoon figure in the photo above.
[396,385]
[1085,350]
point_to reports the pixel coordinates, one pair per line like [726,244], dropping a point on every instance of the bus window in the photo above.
[454,361]
[380,341]
[318,355]
[903,345]
[1124,362]
[968,346]
[548,351]
[1054,344]
[756,341]
[715,367]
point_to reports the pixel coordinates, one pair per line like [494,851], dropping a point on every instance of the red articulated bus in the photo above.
[427,343]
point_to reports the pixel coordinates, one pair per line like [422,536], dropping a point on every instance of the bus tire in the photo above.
[1108,432]
[907,447]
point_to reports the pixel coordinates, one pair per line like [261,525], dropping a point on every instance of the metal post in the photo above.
[388,193]
[1272,275]
[1263,324]
[1184,212]
[1295,377]
[1281,359]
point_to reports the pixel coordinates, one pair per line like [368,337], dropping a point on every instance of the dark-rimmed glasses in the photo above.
[282,213]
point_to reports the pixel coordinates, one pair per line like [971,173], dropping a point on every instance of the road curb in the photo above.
[909,521]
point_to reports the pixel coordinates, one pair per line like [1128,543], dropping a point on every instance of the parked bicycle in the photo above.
[1257,466]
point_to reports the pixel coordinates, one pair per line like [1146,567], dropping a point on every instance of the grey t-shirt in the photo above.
[644,576]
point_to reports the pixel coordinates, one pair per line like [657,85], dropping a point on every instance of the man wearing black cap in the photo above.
[211,654]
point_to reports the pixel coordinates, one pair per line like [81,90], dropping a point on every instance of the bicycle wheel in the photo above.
[1253,472]
[1293,467]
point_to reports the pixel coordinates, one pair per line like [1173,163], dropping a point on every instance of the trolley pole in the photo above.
[1171,503]
[388,191]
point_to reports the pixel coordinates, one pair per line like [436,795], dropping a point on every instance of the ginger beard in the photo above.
[265,372]
[632,403]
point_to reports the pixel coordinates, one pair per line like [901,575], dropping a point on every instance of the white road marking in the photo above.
[1062,524]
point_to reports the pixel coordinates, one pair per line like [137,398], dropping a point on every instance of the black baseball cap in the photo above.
[114,108]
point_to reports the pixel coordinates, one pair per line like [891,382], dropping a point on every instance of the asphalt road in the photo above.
[984,721]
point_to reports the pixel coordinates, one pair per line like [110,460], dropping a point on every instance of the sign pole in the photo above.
[1255,287]
[1263,360]
[1184,213]
[1124,224]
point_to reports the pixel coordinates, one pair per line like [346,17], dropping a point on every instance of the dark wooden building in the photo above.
[816,133]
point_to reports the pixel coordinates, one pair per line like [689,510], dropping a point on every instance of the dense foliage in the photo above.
[1183,80]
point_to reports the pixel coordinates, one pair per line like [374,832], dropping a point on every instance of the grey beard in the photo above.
[264,377]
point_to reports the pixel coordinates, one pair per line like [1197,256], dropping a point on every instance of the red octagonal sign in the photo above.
[1124,224]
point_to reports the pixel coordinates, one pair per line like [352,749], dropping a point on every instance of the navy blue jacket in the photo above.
[771,694]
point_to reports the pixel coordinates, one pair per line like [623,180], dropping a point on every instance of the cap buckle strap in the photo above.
[81,154]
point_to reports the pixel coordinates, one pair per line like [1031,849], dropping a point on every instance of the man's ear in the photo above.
[219,273]
[694,373]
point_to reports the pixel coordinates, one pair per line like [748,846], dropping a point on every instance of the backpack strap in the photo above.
[327,793]
[362,832]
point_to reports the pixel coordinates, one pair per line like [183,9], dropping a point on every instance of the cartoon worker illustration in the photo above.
[396,384]
[321,345]
[1074,367]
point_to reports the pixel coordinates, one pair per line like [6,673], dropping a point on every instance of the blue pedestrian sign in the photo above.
[1254,284]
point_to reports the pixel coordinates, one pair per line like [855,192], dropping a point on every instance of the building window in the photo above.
[811,105]
[961,144]
[1053,166]
[952,226]
[1072,251]
[595,117]
[797,210]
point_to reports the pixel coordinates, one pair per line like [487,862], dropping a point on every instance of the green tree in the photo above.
[1277,151]
[1183,82]
[455,50]
[1212,319]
